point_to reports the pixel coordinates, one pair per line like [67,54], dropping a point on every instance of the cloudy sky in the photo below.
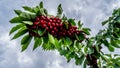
[90,12]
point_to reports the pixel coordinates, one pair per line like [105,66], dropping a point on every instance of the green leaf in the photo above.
[28,9]
[45,11]
[57,43]
[68,41]
[38,42]
[114,43]
[90,50]
[25,45]
[27,16]
[22,31]
[41,4]
[18,12]
[15,28]
[64,17]
[59,10]
[111,48]
[41,12]
[45,39]
[79,24]
[104,22]
[86,31]
[28,22]
[16,20]
[36,9]
[48,46]
[41,32]
[72,21]
[117,41]
[51,39]
[85,63]
[105,42]
[25,39]
[118,19]
[85,49]
[80,37]
[81,59]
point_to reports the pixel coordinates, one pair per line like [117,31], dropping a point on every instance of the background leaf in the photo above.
[25,39]
[38,42]
[41,4]
[72,22]
[16,20]
[28,22]
[15,28]
[18,12]
[25,45]
[28,9]
[22,31]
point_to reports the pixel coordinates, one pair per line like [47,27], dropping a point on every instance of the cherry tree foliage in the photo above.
[68,37]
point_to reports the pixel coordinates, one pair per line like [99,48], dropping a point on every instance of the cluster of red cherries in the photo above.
[54,26]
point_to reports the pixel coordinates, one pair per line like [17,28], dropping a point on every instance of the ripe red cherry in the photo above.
[35,23]
[53,24]
[57,25]
[37,19]
[55,28]
[42,17]
[44,26]
[61,25]
[41,21]
[48,23]
[51,27]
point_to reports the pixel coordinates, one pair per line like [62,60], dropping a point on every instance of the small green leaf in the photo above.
[105,42]
[41,4]
[36,9]
[64,17]
[111,48]
[15,28]
[79,24]
[85,49]
[27,16]
[16,20]
[41,32]
[28,22]
[104,22]
[68,41]
[90,50]
[117,41]
[114,43]
[25,39]
[38,42]
[80,37]
[72,21]
[86,31]
[28,9]
[51,39]
[118,19]
[85,63]
[45,11]
[48,46]
[57,43]
[22,31]
[81,59]
[59,11]
[66,25]
[25,45]
[18,12]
